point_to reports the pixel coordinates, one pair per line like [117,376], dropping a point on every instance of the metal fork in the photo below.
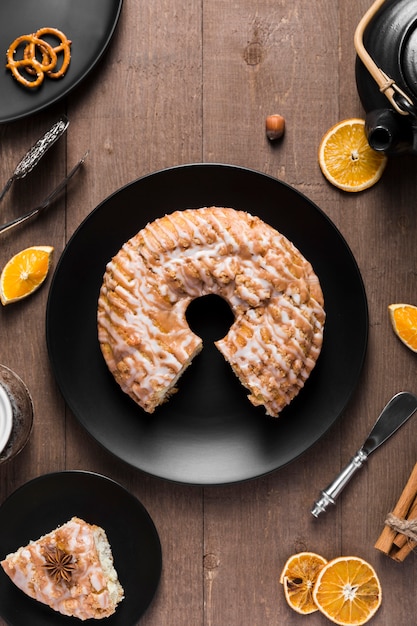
[46,202]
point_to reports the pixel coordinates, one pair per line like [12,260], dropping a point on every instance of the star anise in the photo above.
[58,564]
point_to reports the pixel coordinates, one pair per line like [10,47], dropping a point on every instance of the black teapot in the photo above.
[386,74]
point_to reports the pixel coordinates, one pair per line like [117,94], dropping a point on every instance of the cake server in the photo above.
[395,414]
[36,152]
[47,201]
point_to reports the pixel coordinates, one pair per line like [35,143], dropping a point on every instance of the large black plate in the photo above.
[88,23]
[42,504]
[208,433]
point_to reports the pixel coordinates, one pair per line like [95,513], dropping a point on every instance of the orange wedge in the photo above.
[24,273]
[347,591]
[298,577]
[404,322]
[346,158]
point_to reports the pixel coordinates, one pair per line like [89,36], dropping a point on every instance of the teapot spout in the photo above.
[387,132]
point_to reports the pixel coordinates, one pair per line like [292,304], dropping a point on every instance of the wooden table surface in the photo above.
[192,82]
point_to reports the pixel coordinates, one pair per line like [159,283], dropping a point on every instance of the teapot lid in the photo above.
[390,38]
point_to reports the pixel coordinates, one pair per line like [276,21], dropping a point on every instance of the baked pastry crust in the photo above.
[70,569]
[272,290]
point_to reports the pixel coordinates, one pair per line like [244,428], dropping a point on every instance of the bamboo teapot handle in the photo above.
[400,101]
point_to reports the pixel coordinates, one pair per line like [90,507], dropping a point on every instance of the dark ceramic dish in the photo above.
[89,24]
[42,504]
[208,432]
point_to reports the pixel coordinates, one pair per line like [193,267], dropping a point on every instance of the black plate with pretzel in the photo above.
[30,41]
[32,57]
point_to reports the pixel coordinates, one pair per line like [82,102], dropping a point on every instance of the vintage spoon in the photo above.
[36,152]
[45,203]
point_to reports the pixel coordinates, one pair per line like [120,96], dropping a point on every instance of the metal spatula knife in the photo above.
[394,415]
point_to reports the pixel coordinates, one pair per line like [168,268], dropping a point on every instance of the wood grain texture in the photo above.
[190,82]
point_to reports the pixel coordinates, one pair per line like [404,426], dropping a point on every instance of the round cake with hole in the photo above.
[273,292]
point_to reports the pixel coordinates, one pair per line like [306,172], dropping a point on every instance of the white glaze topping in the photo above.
[271,288]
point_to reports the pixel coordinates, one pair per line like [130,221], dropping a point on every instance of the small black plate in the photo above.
[42,504]
[89,24]
[208,432]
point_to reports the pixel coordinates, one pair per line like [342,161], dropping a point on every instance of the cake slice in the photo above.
[70,569]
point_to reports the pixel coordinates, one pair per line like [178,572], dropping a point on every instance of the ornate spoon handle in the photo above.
[36,152]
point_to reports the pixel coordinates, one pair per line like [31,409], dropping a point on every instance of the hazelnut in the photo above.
[274,126]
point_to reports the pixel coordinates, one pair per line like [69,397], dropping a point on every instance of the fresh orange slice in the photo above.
[404,322]
[347,591]
[24,273]
[298,577]
[346,158]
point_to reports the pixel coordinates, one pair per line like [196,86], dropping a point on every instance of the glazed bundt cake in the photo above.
[272,290]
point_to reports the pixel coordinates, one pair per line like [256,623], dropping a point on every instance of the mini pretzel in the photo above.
[28,64]
[31,65]
[64,46]
[49,57]
[40,58]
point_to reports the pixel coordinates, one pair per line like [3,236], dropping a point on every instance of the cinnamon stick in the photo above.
[385,541]
[400,539]
[399,555]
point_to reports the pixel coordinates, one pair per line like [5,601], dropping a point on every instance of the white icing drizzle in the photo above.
[271,288]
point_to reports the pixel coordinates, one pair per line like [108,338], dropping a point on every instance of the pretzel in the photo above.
[49,57]
[40,58]
[27,64]
[64,46]
[30,65]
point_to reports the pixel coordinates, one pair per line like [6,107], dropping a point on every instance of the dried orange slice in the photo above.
[404,322]
[347,591]
[24,273]
[298,577]
[346,158]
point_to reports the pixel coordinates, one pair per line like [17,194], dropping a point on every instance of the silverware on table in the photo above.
[46,202]
[36,152]
[394,415]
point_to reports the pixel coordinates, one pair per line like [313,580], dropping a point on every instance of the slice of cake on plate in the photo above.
[70,569]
